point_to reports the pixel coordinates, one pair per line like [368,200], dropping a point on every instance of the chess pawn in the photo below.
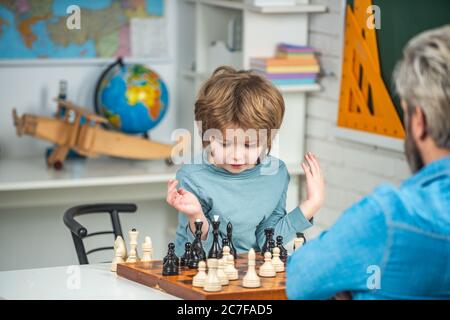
[251,279]
[299,241]
[200,278]
[225,242]
[133,235]
[267,270]
[276,261]
[283,251]
[212,282]
[184,259]
[268,232]
[221,273]
[147,250]
[230,270]
[171,252]
[118,252]
[170,267]
[225,254]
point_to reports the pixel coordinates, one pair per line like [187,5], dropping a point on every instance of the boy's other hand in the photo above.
[315,186]
[183,201]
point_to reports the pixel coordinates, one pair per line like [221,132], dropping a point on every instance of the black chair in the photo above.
[79,232]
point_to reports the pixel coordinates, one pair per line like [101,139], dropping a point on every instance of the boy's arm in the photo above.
[286,225]
[186,230]
[348,257]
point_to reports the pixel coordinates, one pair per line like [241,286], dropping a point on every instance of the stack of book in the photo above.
[292,66]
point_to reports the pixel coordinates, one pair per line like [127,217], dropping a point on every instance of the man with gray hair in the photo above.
[395,242]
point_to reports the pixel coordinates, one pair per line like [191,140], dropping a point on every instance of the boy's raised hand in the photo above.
[315,186]
[183,200]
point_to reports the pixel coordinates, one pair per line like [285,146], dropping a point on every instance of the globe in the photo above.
[133,98]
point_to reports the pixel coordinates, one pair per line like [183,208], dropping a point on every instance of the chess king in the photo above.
[235,177]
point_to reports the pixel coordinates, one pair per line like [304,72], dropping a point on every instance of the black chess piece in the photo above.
[197,252]
[215,250]
[270,246]
[170,266]
[230,240]
[198,239]
[269,236]
[283,251]
[184,259]
[171,251]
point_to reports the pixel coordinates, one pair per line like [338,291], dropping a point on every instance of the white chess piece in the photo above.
[276,261]
[230,270]
[221,273]
[225,253]
[212,282]
[200,278]
[120,240]
[133,235]
[267,270]
[251,279]
[118,252]
[132,256]
[147,249]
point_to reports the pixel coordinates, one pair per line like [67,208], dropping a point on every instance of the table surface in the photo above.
[94,281]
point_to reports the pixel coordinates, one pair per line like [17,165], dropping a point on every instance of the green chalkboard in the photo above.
[400,21]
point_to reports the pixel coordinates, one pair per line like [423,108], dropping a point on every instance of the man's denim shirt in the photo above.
[393,244]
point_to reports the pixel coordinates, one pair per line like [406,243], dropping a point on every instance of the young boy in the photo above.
[237,179]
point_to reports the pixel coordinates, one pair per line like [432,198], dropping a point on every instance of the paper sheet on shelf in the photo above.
[148,38]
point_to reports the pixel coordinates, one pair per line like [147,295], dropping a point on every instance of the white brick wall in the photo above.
[351,170]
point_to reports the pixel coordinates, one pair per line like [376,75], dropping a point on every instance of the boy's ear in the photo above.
[419,124]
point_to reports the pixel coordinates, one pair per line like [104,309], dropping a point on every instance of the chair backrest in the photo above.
[79,232]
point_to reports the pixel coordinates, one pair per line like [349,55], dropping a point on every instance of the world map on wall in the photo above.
[33,29]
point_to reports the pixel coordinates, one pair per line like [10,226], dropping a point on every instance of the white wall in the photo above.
[352,170]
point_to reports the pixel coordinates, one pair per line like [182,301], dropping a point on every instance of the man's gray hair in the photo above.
[422,79]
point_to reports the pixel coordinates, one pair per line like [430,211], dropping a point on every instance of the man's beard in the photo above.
[412,153]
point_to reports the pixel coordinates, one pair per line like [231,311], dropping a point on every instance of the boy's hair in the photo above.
[241,98]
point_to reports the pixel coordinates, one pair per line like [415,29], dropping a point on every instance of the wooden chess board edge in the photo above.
[169,285]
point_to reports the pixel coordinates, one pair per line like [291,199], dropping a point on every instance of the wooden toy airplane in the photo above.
[89,139]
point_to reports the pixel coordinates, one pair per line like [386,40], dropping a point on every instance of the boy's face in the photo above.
[237,150]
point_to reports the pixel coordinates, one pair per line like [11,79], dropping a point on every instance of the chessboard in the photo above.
[150,274]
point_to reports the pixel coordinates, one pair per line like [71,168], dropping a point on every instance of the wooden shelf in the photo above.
[240,5]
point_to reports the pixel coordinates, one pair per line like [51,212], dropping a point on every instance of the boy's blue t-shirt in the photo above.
[252,201]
